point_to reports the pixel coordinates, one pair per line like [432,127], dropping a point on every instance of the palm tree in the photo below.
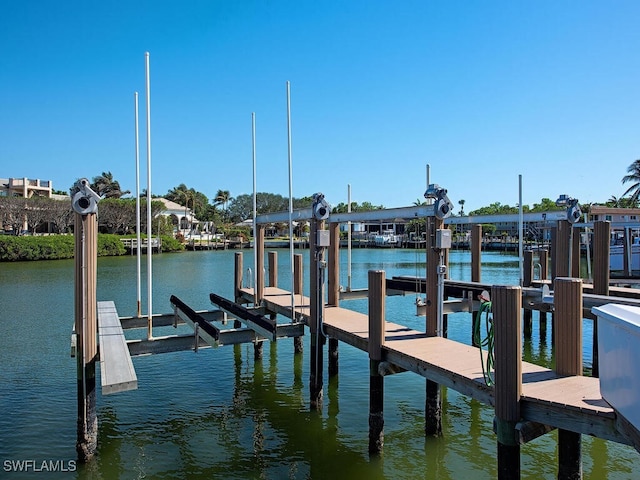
[461,202]
[105,186]
[177,194]
[633,176]
[613,201]
[222,198]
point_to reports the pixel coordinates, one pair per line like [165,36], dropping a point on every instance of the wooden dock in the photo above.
[529,400]
[571,403]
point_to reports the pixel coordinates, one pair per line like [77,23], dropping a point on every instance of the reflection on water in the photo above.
[220,414]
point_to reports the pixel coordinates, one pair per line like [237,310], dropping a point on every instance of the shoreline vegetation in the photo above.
[60,247]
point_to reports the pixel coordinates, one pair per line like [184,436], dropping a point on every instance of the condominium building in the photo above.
[25,187]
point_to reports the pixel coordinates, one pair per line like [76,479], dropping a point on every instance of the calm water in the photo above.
[218,414]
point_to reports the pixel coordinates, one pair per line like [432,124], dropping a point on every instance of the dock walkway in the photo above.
[572,403]
[116,368]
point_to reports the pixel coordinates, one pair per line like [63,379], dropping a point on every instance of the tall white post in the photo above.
[149,249]
[138,240]
[520,230]
[429,200]
[293,299]
[255,209]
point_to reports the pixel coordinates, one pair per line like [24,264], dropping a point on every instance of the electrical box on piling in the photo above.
[443,238]
[323,239]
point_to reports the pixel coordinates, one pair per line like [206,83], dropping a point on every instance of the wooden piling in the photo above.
[626,251]
[237,283]
[86,327]
[575,252]
[298,345]
[506,305]
[601,276]
[377,303]
[527,271]
[272,261]
[561,260]
[297,274]
[433,400]
[316,303]
[333,281]
[544,263]
[476,253]
[568,353]
[237,277]
[259,274]
[258,348]
[476,272]
[527,280]
[333,265]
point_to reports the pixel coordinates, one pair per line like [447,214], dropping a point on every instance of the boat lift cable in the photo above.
[488,363]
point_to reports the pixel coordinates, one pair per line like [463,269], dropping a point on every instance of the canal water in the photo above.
[219,414]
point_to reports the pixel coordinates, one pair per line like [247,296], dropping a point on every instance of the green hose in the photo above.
[488,342]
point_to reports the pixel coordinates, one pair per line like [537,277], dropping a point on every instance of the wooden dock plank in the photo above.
[571,403]
[116,368]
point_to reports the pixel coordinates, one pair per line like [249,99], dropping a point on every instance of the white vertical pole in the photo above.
[520,230]
[255,208]
[349,239]
[138,242]
[429,200]
[293,301]
[149,249]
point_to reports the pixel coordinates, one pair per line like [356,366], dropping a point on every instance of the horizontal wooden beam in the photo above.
[602,426]
[527,431]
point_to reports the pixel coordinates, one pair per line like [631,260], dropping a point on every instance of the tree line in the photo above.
[117,213]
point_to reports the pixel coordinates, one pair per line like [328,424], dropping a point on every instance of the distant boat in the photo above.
[616,256]
[387,239]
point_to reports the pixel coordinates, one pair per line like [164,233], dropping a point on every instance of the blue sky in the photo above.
[481,91]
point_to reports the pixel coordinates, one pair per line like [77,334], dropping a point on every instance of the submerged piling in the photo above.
[568,325]
[601,275]
[507,303]
[297,290]
[316,300]
[86,326]
[377,302]
[333,282]
[433,400]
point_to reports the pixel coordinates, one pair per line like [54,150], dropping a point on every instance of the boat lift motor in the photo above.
[573,207]
[321,210]
[84,200]
[442,205]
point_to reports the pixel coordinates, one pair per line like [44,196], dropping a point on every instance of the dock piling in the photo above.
[86,244]
[316,303]
[297,290]
[568,325]
[377,302]
[237,283]
[601,277]
[433,400]
[507,303]
[476,271]
[527,280]
[333,282]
